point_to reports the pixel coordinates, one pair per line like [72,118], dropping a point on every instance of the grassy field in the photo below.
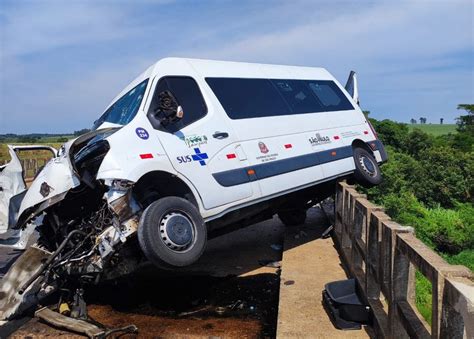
[4,155]
[435,129]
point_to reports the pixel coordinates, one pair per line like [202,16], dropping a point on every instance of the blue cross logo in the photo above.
[200,157]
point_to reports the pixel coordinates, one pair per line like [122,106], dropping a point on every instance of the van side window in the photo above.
[248,98]
[327,93]
[189,97]
[298,96]
[255,98]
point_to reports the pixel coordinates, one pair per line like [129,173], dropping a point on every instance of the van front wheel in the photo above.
[172,233]
[367,171]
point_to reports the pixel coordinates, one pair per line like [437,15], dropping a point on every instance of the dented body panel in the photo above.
[50,186]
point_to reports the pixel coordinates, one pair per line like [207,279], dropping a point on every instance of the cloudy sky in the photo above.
[61,62]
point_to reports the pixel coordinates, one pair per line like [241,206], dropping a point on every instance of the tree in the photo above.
[441,121]
[366,113]
[464,139]
[413,121]
[390,132]
[444,177]
[417,143]
[466,122]
[27,139]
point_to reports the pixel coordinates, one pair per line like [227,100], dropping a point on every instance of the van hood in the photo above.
[77,163]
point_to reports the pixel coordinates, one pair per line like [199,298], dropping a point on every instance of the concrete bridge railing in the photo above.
[383,256]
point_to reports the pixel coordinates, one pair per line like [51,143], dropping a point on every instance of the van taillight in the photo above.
[372,129]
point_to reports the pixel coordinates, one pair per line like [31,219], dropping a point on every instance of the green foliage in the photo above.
[465,258]
[27,139]
[423,296]
[464,140]
[418,142]
[435,175]
[444,177]
[398,175]
[402,194]
[390,132]
[429,184]
[466,122]
[447,230]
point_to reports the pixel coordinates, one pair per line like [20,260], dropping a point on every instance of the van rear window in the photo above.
[253,98]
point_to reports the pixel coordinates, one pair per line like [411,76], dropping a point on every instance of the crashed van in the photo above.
[188,148]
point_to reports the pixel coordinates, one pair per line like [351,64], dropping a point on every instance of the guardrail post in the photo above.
[350,198]
[457,316]
[402,282]
[339,202]
[373,265]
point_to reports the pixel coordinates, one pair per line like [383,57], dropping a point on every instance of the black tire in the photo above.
[172,233]
[367,170]
[292,217]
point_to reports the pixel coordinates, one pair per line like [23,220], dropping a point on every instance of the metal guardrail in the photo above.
[383,256]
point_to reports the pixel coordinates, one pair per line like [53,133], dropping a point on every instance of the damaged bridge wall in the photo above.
[383,257]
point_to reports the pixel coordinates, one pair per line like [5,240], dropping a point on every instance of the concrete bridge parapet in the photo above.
[383,257]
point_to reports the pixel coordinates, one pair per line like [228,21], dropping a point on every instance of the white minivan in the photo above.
[187,149]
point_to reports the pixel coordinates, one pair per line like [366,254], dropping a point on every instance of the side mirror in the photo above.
[351,86]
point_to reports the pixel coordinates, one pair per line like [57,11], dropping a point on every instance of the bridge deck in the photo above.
[306,267]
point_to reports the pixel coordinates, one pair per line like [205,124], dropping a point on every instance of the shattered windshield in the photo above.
[124,109]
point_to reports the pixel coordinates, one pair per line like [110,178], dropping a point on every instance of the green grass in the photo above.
[423,296]
[5,156]
[434,129]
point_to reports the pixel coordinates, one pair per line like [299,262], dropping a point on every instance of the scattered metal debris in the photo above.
[79,325]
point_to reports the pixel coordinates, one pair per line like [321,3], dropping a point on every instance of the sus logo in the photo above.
[263,147]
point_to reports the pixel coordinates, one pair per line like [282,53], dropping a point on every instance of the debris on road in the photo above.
[80,325]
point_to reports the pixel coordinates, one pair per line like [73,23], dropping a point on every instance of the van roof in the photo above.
[218,68]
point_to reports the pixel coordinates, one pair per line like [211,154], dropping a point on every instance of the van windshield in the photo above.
[124,109]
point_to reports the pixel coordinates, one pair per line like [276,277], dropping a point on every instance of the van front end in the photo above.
[84,225]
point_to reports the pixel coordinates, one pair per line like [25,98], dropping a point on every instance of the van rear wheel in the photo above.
[172,233]
[367,171]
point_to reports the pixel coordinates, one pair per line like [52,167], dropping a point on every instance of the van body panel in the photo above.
[194,152]
[214,165]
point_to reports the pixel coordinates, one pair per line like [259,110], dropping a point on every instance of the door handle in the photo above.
[220,135]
